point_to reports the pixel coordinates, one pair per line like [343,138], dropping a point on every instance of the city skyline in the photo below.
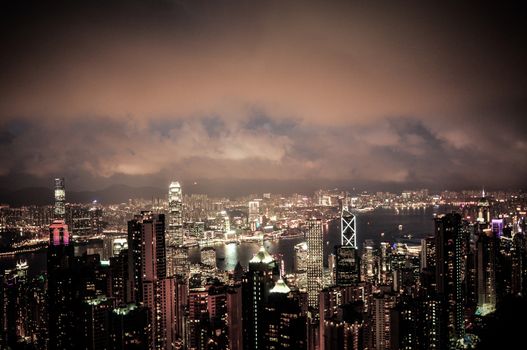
[386,95]
[262,175]
[193,272]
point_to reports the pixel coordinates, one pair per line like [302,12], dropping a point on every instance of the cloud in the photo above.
[393,150]
[298,90]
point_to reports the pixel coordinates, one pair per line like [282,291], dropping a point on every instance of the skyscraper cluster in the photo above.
[374,294]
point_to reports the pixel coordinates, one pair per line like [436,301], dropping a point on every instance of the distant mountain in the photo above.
[26,196]
[44,196]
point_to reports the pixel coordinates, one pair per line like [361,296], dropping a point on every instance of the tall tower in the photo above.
[383,304]
[487,254]
[315,251]
[61,291]
[175,217]
[285,326]
[256,286]
[348,228]
[60,198]
[147,273]
[483,209]
[347,271]
[449,231]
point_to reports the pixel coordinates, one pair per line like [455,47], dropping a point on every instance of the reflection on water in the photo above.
[417,222]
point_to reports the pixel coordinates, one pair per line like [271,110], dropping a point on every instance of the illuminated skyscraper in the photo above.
[300,262]
[450,233]
[254,214]
[347,271]
[285,324]
[147,272]
[381,317]
[61,291]
[208,256]
[519,265]
[235,317]
[483,209]
[348,228]
[175,218]
[315,267]
[256,286]
[487,254]
[60,198]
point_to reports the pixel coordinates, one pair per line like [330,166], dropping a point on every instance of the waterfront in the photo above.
[370,225]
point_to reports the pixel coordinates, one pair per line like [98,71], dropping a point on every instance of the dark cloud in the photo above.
[142,92]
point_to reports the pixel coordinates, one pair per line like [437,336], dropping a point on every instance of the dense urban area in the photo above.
[145,274]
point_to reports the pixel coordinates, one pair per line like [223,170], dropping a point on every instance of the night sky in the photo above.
[402,95]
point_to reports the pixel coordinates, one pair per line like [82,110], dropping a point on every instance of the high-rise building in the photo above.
[217,313]
[234,317]
[197,323]
[385,263]
[148,277]
[497,227]
[79,220]
[60,199]
[256,285]
[61,291]
[348,228]
[450,233]
[433,332]
[347,270]
[343,329]
[12,287]
[175,214]
[381,317]
[180,319]
[315,263]
[145,233]
[405,324]
[284,321]
[519,265]
[22,308]
[165,313]
[94,322]
[208,257]
[300,261]
[119,277]
[483,209]
[368,261]
[254,214]
[129,327]
[487,253]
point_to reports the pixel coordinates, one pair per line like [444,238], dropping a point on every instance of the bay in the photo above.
[377,225]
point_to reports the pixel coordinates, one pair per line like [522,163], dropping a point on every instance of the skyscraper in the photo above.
[381,317]
[147,273]
[315,267]
[175,217]
[487,254]
[235,317]
[254,214]
[347,266]
[348,228]
[519,265]
[60,198]
[284,321]
[208,256]
[300,262]
[61,294]
[256,286]
[450,233]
